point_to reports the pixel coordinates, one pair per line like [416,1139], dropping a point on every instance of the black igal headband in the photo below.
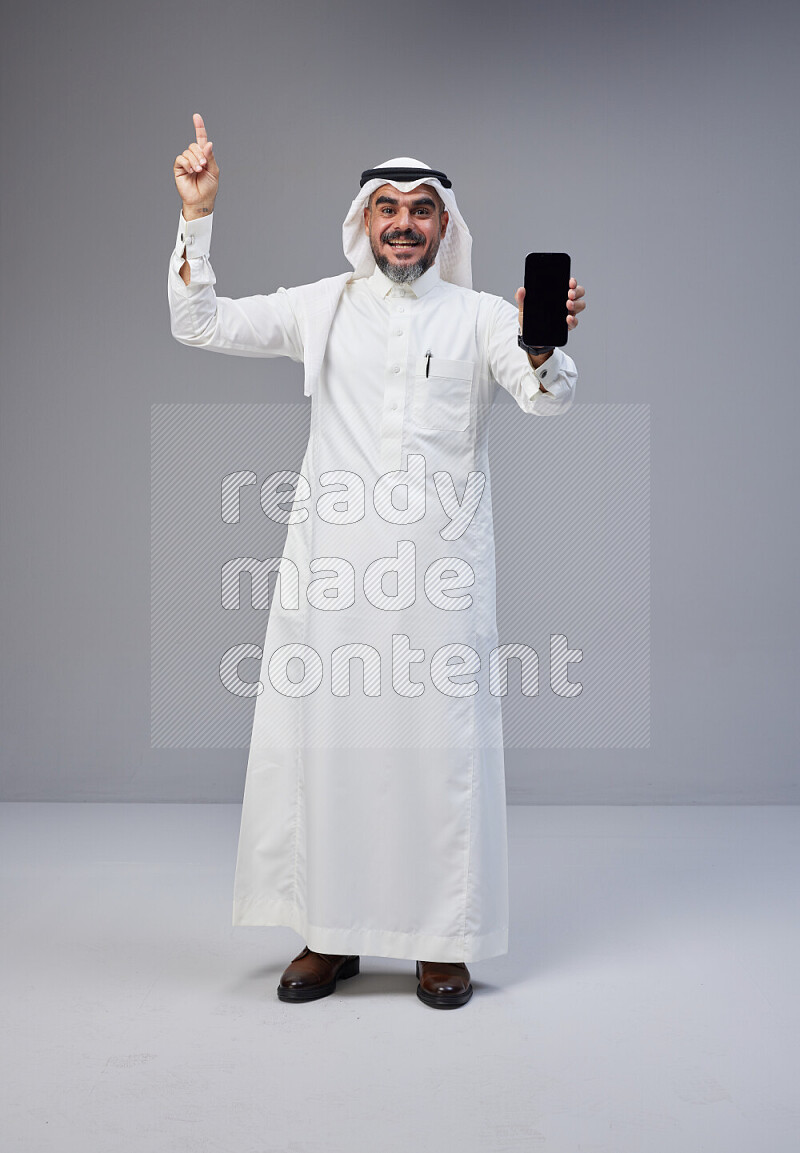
[404,174]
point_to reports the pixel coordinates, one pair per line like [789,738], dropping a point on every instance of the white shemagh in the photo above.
[315,304]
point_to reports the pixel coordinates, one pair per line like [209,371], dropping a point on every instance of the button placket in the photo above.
[395,388]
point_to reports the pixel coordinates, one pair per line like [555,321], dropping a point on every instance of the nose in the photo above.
[404,218]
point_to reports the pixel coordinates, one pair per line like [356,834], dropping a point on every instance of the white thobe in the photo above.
[374,818]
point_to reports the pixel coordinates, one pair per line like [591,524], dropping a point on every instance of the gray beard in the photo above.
[404,273]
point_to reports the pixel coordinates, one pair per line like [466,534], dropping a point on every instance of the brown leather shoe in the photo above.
[443,984]
[311,975]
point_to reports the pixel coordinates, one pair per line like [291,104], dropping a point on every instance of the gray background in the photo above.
[658,145]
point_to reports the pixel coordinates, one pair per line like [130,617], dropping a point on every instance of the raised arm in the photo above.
[248,326]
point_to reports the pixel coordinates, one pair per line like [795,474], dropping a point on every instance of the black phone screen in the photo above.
[544,312]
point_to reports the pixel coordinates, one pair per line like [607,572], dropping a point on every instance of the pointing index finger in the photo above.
[200,129]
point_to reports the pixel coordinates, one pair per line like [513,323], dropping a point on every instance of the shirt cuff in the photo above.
[547,375]
[194,236]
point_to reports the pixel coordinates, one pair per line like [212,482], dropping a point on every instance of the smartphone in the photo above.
[544,311]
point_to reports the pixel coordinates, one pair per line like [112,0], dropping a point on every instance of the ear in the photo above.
[445,221]
[366,218]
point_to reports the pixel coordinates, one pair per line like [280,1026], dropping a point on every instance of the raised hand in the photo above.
[197,174]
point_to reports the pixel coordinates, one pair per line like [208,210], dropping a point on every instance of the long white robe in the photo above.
[374,816]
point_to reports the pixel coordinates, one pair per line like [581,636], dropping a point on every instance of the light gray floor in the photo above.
[648,1003]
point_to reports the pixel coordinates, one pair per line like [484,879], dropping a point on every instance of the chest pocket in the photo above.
[442,399]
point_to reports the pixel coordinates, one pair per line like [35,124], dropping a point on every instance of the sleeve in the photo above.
[249,326]
[511,369]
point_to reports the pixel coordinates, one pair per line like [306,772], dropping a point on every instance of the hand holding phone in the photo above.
[544,317]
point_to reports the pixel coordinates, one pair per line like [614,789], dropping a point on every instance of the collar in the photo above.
[382,286]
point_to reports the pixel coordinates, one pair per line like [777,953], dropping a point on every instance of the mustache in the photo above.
[403,234]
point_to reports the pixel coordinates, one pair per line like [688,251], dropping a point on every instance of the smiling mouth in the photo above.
[402,247]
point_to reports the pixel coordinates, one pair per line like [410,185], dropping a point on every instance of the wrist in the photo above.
[537,354]
[538,361]
[197,211]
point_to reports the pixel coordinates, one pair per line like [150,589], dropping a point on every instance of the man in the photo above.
[374,816]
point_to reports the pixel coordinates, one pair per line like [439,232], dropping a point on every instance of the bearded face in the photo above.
[405,230]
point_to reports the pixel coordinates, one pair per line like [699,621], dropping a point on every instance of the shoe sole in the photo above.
[444,1000]
[349,969]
